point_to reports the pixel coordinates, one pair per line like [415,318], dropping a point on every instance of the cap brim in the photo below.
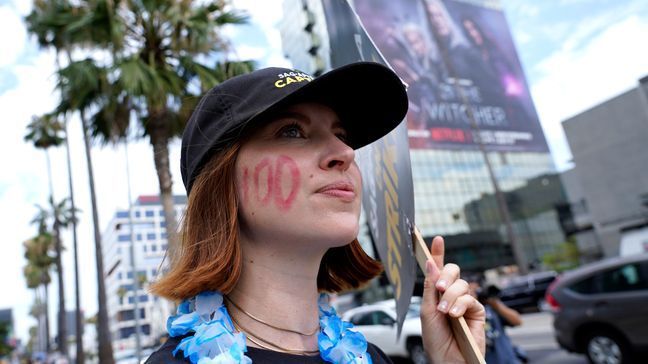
[369,98]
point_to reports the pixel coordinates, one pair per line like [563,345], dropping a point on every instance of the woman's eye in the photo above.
[343,137]
[292,131]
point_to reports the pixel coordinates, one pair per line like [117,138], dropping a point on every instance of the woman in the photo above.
[272,220]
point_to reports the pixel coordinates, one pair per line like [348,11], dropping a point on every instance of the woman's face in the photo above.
[297,179]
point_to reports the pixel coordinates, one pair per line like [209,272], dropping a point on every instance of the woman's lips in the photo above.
[342,190]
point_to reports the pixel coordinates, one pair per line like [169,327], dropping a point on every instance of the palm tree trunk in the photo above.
[51,188]
[80,354]
[105,342]
[62,324]
[160,142]
[47,320]
[40,317]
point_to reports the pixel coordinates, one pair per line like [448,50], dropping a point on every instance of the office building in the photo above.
[150,241]
[610,155]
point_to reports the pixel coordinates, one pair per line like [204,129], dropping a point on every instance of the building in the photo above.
[457,102]
[150,247]
[304,37]
[577,221]
[610,155]
[537,214]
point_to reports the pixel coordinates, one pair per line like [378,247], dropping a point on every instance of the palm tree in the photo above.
[80,353]
[58,215]
[36,272]
[44,133]
[156,71]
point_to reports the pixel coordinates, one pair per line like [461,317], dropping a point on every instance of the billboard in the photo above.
[465,80]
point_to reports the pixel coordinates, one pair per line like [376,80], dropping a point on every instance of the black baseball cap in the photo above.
[369,98]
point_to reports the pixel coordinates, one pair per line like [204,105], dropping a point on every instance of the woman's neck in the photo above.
[278,285]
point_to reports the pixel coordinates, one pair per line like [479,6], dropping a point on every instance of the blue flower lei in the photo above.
[215,341]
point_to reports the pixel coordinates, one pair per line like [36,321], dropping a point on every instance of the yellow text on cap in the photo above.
[288,80]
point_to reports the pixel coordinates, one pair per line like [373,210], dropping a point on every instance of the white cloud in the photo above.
[591,25]
[572,80]
[23,7]
[14,36]
[523,9]
[265,15]
[245,52]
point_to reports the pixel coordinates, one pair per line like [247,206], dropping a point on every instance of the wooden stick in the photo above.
[460,329]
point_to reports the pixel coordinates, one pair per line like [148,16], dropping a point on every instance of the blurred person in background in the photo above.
[499,348]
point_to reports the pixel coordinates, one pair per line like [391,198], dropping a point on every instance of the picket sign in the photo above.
[460,330]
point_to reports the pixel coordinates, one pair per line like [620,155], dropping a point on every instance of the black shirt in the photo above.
[259,356]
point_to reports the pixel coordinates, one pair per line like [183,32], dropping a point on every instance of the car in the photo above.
[377,322]
[527,292]
[601,309]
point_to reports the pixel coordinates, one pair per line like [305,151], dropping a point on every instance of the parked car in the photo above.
[601,309]
[377,322]
[527,292]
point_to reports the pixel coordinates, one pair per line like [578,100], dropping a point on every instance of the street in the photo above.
[535,336]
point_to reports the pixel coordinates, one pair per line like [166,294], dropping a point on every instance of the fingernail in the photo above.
[443,306]
[428,267]
[441,284]
[455,310]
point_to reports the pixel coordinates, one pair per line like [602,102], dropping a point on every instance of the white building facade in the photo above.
[150,244]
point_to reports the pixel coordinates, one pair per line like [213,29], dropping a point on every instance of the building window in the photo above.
[127,315]
[149,213]
[123,237]
[138,214]
[150,236]
[126,287]
[122,214]
[142,298]
[153,248]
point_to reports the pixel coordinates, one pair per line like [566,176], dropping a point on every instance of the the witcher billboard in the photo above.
[465,79]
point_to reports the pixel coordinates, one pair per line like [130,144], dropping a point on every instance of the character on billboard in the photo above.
[499,83]
[456,52]
[274,198]
[417,61]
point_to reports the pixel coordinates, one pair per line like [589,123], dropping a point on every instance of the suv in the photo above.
[601,309]
[377,322]
[527,292]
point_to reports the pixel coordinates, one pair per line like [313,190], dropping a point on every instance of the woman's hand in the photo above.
[455,300]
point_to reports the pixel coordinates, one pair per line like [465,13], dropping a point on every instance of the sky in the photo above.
[576,53]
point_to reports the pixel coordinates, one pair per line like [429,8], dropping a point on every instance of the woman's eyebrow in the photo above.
[291,115]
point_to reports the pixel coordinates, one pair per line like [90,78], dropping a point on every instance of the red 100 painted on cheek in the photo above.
[272,181]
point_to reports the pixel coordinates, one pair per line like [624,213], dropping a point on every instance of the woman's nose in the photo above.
[337,155]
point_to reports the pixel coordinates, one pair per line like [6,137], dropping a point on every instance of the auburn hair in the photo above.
[209,256]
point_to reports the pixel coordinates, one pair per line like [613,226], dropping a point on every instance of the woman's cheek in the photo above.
[271,182]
